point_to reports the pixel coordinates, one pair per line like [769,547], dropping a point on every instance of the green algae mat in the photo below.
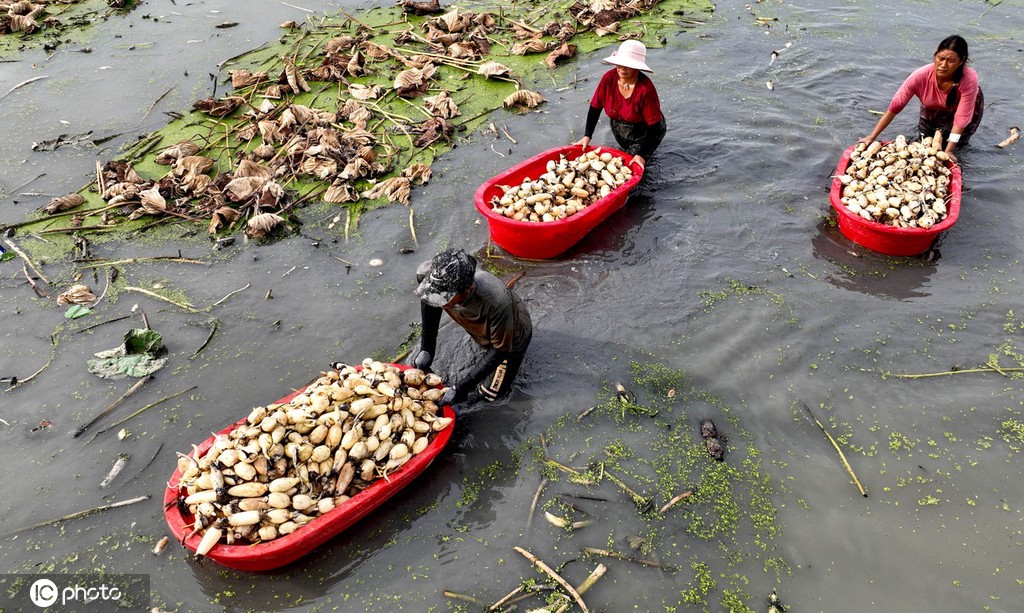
[340,114]
[47,24]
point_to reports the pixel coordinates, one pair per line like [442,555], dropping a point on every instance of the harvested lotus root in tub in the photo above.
[291,462]
[900,184]
[568,187]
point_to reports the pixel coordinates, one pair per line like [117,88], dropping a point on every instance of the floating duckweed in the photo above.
[1013,433]
[734,602]
[703,584]
[473,487]
[740,290]
[618,450]
[649,455]
[899,442]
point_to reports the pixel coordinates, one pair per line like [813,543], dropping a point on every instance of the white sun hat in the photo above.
[631,54]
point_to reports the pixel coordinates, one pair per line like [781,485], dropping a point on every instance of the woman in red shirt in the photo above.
[630,100]
[951,99]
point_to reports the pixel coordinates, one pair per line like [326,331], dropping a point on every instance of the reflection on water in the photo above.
[621,237]
[859,269]
[679,162]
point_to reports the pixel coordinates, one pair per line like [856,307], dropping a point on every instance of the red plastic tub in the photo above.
[887,239]
[542,240]
[286,549]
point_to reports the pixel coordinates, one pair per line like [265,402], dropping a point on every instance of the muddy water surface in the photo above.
[726,269]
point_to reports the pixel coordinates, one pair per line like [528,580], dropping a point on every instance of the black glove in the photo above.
[423,360]
[448,397]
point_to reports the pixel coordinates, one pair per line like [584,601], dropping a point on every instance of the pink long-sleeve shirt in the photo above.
[922,83]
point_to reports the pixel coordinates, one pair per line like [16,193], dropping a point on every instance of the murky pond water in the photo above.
[726,269]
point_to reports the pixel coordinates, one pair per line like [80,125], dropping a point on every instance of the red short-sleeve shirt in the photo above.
[642,107]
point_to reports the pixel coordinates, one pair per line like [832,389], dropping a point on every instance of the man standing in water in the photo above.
[493,315]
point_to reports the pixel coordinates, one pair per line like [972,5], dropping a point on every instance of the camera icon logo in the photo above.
[43,593]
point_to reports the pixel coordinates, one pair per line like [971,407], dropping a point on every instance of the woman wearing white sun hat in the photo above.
[628,97]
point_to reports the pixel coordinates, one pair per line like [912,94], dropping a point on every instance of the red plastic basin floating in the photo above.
[885,239]
[286,549]
[542,240]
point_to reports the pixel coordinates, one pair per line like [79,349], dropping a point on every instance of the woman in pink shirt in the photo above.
[951,99]
[630,100]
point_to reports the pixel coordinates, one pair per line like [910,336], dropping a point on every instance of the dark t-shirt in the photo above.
[494,315]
